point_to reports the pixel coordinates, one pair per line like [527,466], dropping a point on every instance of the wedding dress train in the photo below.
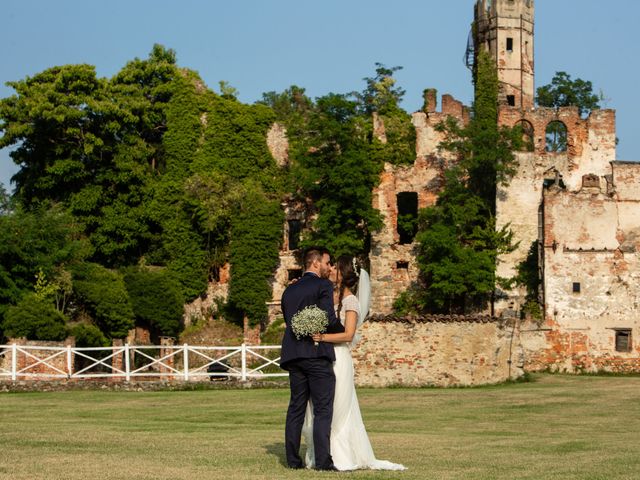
[350,446]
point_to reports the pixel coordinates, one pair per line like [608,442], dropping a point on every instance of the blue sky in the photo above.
[324,46]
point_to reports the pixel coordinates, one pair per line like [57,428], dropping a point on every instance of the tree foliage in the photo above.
[146,164]
[102,293]
[336,171]
[152,170]
[256,234]
[381,94]
[565,92]
[87,335]
[458,241]
[529,277]
[156,299]
[336,160]
[34,318]
[43,241]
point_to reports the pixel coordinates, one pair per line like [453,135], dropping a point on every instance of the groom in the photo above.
[310,367]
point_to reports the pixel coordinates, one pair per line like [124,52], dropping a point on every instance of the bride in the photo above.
[350,446]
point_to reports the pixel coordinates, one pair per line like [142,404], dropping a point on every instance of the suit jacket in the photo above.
[309,290]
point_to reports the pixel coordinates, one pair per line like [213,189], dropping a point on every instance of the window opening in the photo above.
[623,340]
[576,287]
[526,129]
[590,180]
[556,137]
[295,227]
[509,44]
[407,216]
[511,100]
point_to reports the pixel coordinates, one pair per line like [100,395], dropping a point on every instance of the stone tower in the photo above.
[505,29]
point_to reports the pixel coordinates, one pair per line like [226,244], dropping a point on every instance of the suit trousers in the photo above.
[310,378]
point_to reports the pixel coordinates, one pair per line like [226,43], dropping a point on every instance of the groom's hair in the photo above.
[312,254]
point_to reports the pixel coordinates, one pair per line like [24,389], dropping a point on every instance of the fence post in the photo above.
[127,362]
[185,361]
[14,361]
[244,361]
[69,367]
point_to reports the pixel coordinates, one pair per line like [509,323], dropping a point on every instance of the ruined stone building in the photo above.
[570,203]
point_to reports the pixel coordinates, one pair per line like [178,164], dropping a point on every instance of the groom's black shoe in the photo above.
[295,467]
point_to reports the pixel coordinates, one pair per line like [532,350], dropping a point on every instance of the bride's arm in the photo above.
[351,318]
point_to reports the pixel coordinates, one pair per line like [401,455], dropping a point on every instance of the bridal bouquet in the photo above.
[309,321]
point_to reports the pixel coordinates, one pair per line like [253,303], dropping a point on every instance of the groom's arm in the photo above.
[325,302]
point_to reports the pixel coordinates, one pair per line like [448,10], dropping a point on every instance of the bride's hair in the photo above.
[348,275]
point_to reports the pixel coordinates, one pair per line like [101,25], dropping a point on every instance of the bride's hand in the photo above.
[317,337]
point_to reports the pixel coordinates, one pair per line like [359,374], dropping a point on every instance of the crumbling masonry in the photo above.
[572,202]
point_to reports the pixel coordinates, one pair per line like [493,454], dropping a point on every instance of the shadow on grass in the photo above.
[277,449]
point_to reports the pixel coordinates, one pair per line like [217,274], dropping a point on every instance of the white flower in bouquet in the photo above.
[309,321]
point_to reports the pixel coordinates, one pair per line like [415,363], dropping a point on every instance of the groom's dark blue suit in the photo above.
[310,370]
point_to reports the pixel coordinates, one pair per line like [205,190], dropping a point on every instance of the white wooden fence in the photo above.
[187,363]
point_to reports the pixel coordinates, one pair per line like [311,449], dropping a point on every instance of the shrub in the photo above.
[89,336]
[274,333]
[103,294]
[35,319]
[156,299]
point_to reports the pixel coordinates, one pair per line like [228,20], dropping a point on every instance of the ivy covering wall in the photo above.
[149,182]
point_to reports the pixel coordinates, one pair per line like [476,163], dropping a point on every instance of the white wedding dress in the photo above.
[350,446]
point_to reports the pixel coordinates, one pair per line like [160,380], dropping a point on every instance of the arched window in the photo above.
[556,137]
[526,130]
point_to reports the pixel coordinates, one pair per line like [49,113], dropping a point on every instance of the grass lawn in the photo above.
[557,427]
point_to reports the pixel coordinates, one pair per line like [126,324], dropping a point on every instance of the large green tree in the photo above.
[336,170]
[565,92]
[44,241]
[92,144]
[336,159]
[458,241]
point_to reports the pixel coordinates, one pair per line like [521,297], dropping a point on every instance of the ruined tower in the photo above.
[505,29]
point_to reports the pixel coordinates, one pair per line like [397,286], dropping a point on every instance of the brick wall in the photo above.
[27,364]
[591,257]
[437,350]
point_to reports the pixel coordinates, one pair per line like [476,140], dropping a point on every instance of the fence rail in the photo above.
[166,362]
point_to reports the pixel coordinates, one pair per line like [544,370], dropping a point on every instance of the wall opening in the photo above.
[511,100]
[590,180]
[526,132]
[294,273]
[556,137]
[407,224]
[401,265]
[293,238]
[576,287]
[623,340]
[509,44]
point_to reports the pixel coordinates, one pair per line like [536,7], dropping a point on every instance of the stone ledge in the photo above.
[440,318]
[149,386]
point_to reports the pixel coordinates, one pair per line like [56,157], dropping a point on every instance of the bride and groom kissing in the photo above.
[323,405]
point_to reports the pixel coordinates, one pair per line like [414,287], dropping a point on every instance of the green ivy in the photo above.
[457,237]
[256,234]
